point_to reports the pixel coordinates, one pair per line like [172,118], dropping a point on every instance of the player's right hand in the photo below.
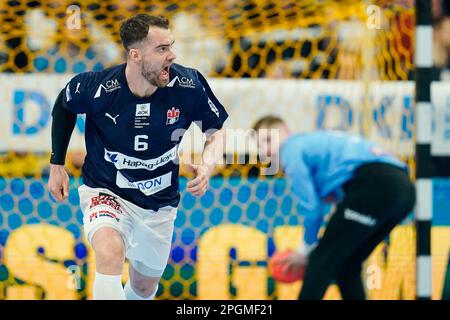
[294,262]
[58,182]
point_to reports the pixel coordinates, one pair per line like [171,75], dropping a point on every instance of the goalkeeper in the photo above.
[370,188]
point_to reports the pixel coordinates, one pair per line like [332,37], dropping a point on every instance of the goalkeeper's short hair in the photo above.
[268,122]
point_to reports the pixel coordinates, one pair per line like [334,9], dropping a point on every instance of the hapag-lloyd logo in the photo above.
[122,161]
[110,86]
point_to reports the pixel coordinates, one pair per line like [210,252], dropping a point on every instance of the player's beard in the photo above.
[153,77]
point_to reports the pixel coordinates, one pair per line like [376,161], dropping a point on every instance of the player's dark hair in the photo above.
[135,29]
[267,122]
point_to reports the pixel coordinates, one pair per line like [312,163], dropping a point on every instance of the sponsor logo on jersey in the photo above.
[122,161]
[143,110]
[182,82]
[110,86]
[147,187]
[213,107]
[112,157]
[359,218]
[68,95]
[105,200]
[172,115]
[111,117]
[103,213]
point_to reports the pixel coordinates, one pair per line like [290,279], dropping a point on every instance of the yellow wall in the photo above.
[389,278]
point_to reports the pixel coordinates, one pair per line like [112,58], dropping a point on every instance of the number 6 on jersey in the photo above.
[140,145]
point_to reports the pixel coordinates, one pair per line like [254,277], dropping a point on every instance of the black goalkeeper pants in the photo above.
[377,198]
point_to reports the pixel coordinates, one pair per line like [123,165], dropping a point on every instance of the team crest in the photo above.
[173,115]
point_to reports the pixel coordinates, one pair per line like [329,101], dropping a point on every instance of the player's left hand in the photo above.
[295,262]
[200,183]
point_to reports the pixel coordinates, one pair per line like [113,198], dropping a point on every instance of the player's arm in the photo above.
[303,186]
[212,154]
[70,101]
[63,123]
[312,224]
[209,114]
[309,201]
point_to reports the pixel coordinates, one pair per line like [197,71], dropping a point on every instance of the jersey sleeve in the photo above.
[76,93]
[310,205]
[208,113]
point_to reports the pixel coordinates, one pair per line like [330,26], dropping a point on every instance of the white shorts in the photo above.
[147,234]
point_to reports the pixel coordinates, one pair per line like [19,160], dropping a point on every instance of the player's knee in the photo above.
[144,286]
[108,246]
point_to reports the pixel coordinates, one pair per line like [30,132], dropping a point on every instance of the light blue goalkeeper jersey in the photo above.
[318,164]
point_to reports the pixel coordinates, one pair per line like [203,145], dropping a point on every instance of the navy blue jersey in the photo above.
[132,142]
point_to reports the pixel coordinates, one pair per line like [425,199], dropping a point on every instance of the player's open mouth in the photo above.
[165,72]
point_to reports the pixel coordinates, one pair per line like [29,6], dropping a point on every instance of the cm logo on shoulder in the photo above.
[182,82]
[110,86]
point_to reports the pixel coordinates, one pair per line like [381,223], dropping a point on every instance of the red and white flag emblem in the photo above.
[173,115]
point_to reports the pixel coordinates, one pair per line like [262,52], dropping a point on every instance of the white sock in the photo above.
[108,287]
[131,295]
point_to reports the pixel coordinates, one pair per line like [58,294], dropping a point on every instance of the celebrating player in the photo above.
[371,189]
[134,114]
